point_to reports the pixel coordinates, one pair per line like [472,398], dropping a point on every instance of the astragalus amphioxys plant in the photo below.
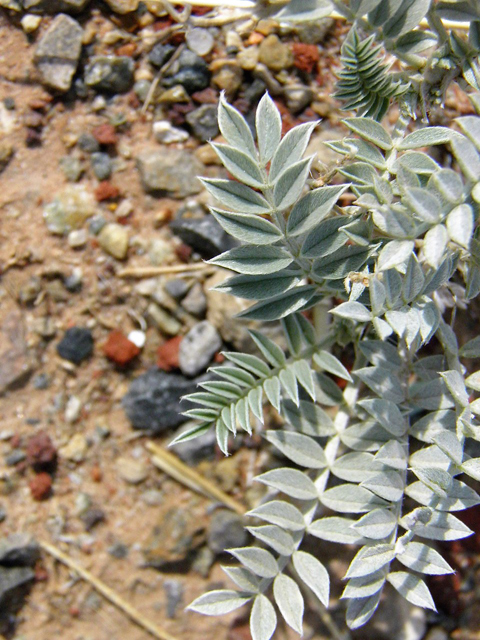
[390,468]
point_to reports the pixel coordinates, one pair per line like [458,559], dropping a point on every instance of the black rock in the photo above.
[226,531]
[191,78]
[113,74]
[14,586]
[204,234]
[203,122]
[76,345]
[160,53]
[153,400]
[18,550]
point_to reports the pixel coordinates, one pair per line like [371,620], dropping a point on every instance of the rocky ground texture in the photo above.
[107,316]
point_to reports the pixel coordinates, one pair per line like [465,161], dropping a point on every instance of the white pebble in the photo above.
[164,132]
[77,238]
[30,23]
[137,337]
[73,408]
[200,41]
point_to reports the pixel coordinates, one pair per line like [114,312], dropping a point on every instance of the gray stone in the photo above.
[3,513]
[13,458]
[72,168]
[14,585]
[88,143]
[226,531]
[54,6]
[96,224]
[162,320]
[177,288]
[203,122]
[204,234]
[191,78]
[142,89]
[58,52]
[174,592]
[160,53]
[200,41]
[101,165]
[195,302]
[113,74]
[118,550]
[198,347]
[18,550]
[153,400]
[298,97]
[169,171]
[15,363]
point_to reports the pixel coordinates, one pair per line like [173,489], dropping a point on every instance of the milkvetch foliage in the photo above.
[386,462]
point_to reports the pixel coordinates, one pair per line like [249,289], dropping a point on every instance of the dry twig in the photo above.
[175,468]
[108,593]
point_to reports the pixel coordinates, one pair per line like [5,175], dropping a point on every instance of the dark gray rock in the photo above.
[41,381]
[198,348]
[101,165]
[203,122]
[160,53]
[226,531]
[18,550]
[194,451]
[14,586]
[112,74]
[204,234]
[3,513]
[177,288]
[96,224]
[91,517]
[169,171]
[153,400]
[191,78]
[54,6]
[76,345]
[118,550]
[58,52]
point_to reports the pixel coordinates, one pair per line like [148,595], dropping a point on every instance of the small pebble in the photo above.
[167,354]
[203,122]
[73,282]
[162,320]
[76,345]
[132,471]
[3,513]
[160,53]
[200,41]
[138,338]
[73,409]
[174,591]
[105,134]
[106,191]
[113,238]
[101,165]
[113,74]
[88,143]
[275,54]
[77,238]
[92,517]
[153,497]
[118,550]
[76,448]
[96,224]
[177,288]
[69,209]
[195,302]
[142,89]
[13,458]
[41,452]
[119,348]
[9,103]
[40,486]
[198,347]
[41,381]
[72,168]
[124,209]
[165,133]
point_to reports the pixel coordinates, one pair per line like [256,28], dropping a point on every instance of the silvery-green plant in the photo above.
[388,470]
